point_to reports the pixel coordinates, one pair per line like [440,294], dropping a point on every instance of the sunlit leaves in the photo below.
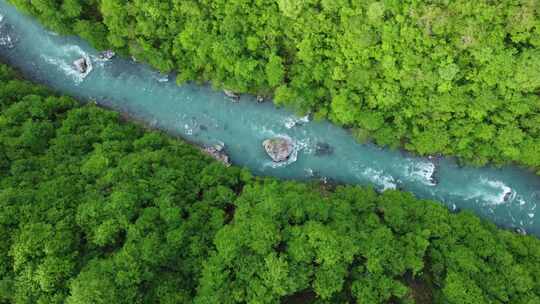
[275,71]
[306,53]
[95,210]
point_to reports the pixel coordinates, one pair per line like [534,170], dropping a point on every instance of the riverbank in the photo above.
[90,202]
[423,97]
[207,117]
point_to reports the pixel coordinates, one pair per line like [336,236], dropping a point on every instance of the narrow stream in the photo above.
[507,196]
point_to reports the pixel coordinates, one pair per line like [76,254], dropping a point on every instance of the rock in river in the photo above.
[106,55]
[217,152]
[81,65]
[234,96]
[278,148]
[323,149]
[507,195]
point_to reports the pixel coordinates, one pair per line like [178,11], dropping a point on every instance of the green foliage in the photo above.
[93,210]
[454,77]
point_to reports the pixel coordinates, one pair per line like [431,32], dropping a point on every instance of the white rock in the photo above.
[278,148]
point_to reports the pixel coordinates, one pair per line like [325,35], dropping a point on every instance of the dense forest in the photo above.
[456,77]
[94,209]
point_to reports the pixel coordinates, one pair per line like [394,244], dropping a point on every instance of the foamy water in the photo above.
[293,121]
[382,181]
[493,192]
[506,196]
[6,40]
[422,171]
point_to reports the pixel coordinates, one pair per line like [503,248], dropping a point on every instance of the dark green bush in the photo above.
[93,210]
[455,77]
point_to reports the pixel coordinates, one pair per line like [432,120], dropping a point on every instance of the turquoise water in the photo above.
[507,196]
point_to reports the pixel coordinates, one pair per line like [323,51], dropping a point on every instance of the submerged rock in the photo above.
[323,149]
[81,65]
[435,176]
[435,160]
[278,148]
[217,152]
[106,55]
[7,42]
[521,231]
[434,180]
[234,96]
[219,147]
[424,171]
[8,37]
[435,157]
[328,184]
[292,122]
[507,195]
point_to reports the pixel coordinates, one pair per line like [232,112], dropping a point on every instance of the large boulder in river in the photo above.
[81,65]
[278,148]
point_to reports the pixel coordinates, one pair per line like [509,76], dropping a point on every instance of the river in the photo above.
[507,196]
